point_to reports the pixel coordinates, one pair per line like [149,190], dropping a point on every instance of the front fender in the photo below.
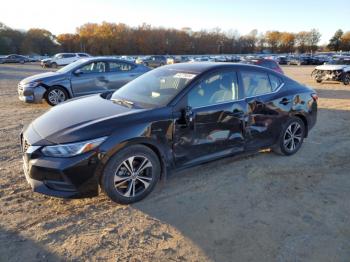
[63,82]
[154,135]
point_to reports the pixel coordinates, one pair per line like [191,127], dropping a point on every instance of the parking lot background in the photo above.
[262,207]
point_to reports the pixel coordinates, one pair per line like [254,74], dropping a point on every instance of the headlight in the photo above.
[72,149]
[32,84]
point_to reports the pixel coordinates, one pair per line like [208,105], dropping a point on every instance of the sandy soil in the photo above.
[253,208]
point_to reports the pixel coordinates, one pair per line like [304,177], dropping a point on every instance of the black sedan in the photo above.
[83,77]
[172,117]
[14,59]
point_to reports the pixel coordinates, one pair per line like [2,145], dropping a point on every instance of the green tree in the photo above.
[314,39]
[39,41]
[335,41]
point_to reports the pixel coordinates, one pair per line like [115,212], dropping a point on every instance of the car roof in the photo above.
[104,58]
[201,67]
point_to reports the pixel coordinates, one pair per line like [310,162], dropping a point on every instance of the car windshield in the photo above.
[71,66]
[155,88]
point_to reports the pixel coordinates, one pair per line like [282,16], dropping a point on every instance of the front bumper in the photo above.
[31,94]
[72,177]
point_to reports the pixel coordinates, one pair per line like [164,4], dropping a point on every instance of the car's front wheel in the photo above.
[56,95]
[291,137]
[131,174]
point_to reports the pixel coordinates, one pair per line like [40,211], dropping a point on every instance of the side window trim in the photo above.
[280,85]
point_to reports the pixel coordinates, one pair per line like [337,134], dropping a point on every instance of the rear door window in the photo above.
[255,83]
[119,67]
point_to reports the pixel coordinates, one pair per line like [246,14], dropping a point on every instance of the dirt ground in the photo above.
[253,208]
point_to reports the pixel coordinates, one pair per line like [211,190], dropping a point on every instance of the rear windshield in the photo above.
[268,64]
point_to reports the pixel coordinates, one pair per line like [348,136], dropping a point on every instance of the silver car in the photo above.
[83,77]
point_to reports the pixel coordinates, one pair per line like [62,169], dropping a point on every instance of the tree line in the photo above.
[121,39]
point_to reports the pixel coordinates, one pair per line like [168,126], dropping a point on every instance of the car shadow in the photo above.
[15,247]
[333,94]
[262,207]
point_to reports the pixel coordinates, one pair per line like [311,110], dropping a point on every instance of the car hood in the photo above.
[330,67]
[40,77]
[81,119]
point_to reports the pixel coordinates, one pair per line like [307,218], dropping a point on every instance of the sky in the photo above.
[64,16]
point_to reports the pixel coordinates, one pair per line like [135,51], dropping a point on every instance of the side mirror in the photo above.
[77,72]
[188,116]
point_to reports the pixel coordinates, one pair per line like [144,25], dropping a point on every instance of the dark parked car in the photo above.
[282,60]
[155,61]
[268,63]
[14,59]
[83,77]
[172,117]
[302,60]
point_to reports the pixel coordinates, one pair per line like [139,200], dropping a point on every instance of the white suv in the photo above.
[62,59]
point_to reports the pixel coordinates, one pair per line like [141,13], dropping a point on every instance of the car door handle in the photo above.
[285,101]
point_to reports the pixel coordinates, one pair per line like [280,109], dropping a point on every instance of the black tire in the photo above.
[129,188]
[61,95]
[319,81]
[346,79]
[54,65]
[283,147]
[22,62]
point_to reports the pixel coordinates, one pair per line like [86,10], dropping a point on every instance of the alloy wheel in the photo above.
[56,96]
[133,176]
[293,136]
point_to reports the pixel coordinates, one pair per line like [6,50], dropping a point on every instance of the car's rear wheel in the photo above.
[56,95]
[131,174]
[346,80]
[291,137]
